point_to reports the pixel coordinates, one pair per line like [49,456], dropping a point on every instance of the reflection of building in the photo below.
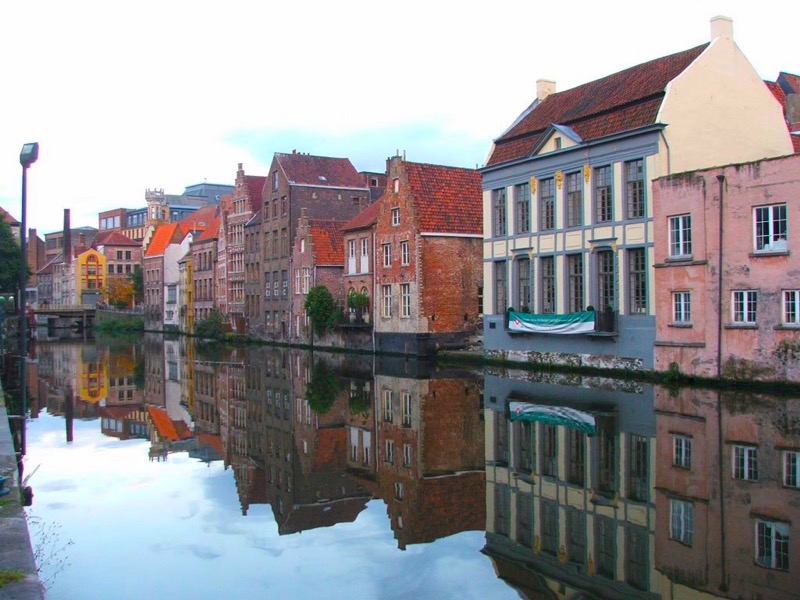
[728,488]
[430,454]
[566,510]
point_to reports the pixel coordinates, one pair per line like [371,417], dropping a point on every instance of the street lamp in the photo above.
[28,156]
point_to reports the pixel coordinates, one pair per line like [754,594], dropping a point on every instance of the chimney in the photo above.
[544,87]
[722,27]
[67,247]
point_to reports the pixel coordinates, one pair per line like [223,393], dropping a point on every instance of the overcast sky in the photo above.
[163,94]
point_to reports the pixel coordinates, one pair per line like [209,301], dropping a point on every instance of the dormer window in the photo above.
[396,185]
[557,143]
[274,180]
[373,182]
[395,216]
[302,246]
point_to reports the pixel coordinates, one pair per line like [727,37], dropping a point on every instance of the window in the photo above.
[637,281]
[634,188]
[405,300]
[745,463]
[574,200]
[576,536]
[575,282]
[680,236]
[525,448]
[549,522]
[549,451]
[639,480]
[681,523]
[637,557]
[602,195]
[274,180]
[386,300]
[390,452]
[523,284]
[405,255]
[771,231]
[388,406]
[682,451]
[119,254]
[605,540]
[500,298]
[524,519]
[395,217]
[522,201]
[791,307]
[387,255]
[499,212]
[744,306]
[351,249]
[547,205]
[406,409]
[605,279]
[297,281]
[406,455]
[548,299]
[681,307]
[396,185]
[576,457]
[772,545]
[791,468]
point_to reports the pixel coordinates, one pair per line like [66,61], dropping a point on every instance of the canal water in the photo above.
[163,468]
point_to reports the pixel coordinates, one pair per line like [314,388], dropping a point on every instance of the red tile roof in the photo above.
[777,91]
[255,187]
[790,82]
[619,102]
[6,216]
[446,199]
[166,427]
[366,218]
[328,242]
[304,169]
[163,237]
[212,231]
[113,238]
[199,219]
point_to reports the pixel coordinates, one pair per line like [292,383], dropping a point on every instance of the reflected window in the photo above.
[637,558]
[576,536]
[525,519]
[502,510]
[607,456]
[501,450]
[549,451]
[681,524]
[390,451]
[388,406]
[576,459]
[638,488]
[605,540]
[549,527]
[525,447]
[406,409]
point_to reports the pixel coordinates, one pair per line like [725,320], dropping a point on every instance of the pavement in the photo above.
[16,552]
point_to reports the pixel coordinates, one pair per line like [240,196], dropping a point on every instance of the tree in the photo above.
[212,326]
[137,278]
[321,308]
[10,258]
[322,388]
[120,291]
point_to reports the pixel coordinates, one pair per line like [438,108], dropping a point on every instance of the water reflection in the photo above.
[672,493]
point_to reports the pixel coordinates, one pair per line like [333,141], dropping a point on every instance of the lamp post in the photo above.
[28,156]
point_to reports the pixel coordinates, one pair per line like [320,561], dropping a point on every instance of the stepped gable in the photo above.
[446,199]
[625,100]
[328,242]
[255,186]
[305,169]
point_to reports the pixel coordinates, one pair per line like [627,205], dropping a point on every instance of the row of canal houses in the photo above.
[653,204]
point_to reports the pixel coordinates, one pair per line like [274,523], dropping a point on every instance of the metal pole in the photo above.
[23,316]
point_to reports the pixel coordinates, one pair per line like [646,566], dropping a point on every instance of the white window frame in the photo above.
[406,409]
[395,216]
[388,406]
[389,446]
[680,236]
[351,248]
[682,451]
[744,307]
[744,463]
[407,454]
[386,301]
[791,307]
[405,300]
[682,307]
[772,544]
[791,468]
[405,254]
[770,228]
[297,281]
[681,522]
[387,255]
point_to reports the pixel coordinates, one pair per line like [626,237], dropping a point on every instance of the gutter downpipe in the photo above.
[721,180]
[720,464]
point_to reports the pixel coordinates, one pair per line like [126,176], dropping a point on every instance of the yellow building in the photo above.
[90,277]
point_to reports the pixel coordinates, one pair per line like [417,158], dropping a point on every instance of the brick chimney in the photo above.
[544,87]
[722,27]
[67,246]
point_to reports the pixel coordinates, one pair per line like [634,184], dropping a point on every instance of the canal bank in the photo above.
[16,551]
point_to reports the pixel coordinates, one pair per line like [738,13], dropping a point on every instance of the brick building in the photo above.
[428,268]
[328,189]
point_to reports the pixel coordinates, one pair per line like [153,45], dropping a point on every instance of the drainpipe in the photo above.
[721,180]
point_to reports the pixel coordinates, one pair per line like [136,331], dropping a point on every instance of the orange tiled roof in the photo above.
[163,424]
[211,232]
[163,237]
[304,169]
[328,242]
[366,218]
[446,199]
[619,102]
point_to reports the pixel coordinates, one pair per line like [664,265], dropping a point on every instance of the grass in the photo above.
[10,576]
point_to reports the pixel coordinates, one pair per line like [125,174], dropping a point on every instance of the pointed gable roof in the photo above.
[199,219]
[212,231]
[304,169]
[113,238]
[163,237]
[328,242]
[255,187]
[6,216]
[625,100]
[446,199]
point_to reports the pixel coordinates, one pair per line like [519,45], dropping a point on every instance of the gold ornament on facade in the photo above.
[587,173]
[533,186]
[559,179]
[537,544]
[562,554]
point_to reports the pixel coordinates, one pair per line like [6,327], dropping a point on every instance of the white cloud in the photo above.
[154,94]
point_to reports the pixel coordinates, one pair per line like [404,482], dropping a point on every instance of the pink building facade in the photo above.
[727,282]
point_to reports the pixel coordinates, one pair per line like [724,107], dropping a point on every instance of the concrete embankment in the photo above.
[16,551]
